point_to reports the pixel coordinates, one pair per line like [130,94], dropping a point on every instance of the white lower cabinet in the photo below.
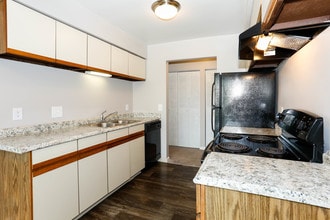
[118,166]
[92,173]
[136,151]
[55,193]
[69,189]
[118,161]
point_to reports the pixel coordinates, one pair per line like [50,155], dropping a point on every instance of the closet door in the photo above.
[173,109]
[186,123]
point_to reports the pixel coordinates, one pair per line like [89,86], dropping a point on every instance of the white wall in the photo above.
[304,81]
[148,95]
[36,88]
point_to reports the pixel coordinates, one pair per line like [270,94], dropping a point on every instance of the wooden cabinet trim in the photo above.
[15,186]
[3,26]
[125,139]
[52,164]
[200,202]
[75,66]
[223,204]
[86,152]
[32,57]
[48,165]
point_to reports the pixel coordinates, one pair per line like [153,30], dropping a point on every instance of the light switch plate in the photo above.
[160,107]
[57,111]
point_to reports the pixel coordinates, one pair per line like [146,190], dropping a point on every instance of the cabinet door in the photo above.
[29,31]
[137,160]
[71,45]
[118,166]
[118,160]
[99,54]
[136,150]
[55,193]
[136,66]
[92,173]
[119,60]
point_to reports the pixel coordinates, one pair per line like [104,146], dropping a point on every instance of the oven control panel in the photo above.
[305,126]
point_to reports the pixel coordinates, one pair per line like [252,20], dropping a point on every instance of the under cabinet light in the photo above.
[94,73]
[263,42]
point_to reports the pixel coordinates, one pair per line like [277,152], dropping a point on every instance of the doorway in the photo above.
[187,100]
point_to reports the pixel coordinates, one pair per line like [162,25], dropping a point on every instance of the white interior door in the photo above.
[172,109]
[209,78]
[184,109]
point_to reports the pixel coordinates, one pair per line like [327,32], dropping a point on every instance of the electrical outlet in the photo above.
[17,114]
[126,107]
[57,111]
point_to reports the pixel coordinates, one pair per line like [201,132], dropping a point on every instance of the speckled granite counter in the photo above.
[25,139]
[302,182]
[254,131]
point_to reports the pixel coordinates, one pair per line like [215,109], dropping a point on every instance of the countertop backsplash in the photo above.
[41,128]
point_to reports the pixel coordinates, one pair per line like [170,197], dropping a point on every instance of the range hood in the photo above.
[288,26]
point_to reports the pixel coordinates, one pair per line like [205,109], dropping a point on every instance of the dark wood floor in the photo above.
[164,191]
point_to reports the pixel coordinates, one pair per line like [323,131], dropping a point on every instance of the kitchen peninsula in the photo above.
[233,186]
[60,170]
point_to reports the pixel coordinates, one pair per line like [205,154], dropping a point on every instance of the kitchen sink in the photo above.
[119,122]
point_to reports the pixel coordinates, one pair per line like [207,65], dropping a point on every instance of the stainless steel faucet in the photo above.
[103,118]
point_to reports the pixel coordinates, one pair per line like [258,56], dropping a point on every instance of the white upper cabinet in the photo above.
[27,35]
[119,60]
[136,66]
[71,45]
[99,54]
[30,31]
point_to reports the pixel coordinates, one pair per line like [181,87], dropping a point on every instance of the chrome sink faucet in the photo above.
[103,118]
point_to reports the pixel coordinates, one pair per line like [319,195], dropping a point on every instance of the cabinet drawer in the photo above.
[53,151]
[134,129]
[92,140]
[117,134]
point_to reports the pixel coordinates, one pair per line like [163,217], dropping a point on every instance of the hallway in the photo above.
[185,156]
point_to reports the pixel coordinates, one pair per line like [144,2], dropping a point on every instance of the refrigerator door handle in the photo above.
[212,100]
[212,119]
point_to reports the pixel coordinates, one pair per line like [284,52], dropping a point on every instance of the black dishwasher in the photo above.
[152,142]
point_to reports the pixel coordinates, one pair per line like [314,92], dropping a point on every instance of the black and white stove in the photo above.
[301,139]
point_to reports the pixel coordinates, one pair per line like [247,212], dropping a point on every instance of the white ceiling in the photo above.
[196,19]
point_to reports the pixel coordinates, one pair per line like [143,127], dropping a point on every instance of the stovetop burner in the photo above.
[232,147]
[271,152]
[262,139]
[232,136]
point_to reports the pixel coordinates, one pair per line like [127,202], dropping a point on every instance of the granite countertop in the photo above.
[22,140]
[297,181]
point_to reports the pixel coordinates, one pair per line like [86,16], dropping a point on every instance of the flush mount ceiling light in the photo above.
[166,9]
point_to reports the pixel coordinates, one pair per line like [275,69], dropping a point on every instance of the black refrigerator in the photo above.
[243,99]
